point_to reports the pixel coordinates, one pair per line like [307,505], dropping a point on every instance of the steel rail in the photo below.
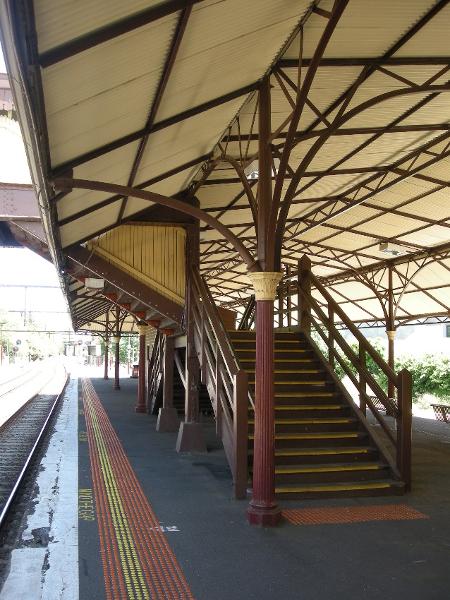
[31,454]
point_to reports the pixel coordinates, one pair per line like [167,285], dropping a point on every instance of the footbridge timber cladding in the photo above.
[140,93]
[152,254]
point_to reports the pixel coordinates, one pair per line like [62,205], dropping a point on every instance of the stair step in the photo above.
[309,439]
[292,371]
[332,468]
[322,451]
[299,382]
[311,407]
[368,488]
[283,360]
[311,394]
[319,435]
[317,421]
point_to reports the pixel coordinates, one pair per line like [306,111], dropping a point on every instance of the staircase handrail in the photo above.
[248,316]
[155,370]
[401,409]
[226,381]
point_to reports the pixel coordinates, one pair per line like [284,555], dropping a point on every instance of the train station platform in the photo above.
[152,523]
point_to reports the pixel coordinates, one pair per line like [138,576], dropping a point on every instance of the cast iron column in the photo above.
[140,406]
[116,341]
[168,416]
[105,371]
[390,330]
[106,357]
[263,509]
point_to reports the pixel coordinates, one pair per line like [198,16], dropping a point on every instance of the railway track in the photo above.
[22,433]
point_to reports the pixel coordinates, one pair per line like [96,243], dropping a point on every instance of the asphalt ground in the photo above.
[222,557]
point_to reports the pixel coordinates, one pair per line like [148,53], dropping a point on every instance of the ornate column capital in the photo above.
[115,339]
[391,334]
[265,284]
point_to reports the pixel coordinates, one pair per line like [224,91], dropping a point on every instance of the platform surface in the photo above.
[203,548]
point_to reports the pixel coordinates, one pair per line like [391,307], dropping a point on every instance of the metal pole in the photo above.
[116,340]
[105,373]
[263,509]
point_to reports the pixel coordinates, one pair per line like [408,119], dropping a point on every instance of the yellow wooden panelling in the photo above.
[153,254]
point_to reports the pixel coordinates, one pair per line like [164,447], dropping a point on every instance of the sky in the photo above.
[2,61]
[19,266]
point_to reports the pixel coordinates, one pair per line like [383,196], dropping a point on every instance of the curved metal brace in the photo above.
[338,10]
[193,211]
[284,210]
[409,280]
[247,188]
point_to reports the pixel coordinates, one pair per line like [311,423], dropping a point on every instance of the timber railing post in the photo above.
[190,435]
[304,282]
[331,336]
[140,406]
[167,416]
[240,401]
[218,391]
[288,296]
[362,379]
[404,426]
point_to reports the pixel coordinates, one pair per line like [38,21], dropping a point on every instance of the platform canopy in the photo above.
[162,96]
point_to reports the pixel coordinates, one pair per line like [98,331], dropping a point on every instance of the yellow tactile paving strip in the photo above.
[351,514]
[138,563]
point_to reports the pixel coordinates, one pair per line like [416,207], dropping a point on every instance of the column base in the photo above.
[263,516]
[139,408]
[190,438]
[168,420]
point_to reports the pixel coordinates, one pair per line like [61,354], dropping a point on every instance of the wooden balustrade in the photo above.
[155,371]
[248,317]
[317,314]
[226,382]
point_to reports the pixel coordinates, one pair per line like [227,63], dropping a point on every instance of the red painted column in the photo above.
[116,341]
[106,357]
[140,406]
[263,509]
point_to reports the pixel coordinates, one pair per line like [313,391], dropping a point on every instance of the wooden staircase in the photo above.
[323,445]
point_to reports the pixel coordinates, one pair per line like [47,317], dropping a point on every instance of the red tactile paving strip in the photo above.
[351,514]
[138,563]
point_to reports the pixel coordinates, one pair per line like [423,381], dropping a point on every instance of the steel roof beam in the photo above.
[111,31]
[393,61]
[164,79]
[63,168]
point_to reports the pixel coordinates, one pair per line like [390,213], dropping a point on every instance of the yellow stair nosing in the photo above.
[311,407]
[333,488]
[309,421]
[303,394]
[290,371]
[329,468]
[321,451]
[295,382]
[314,436]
